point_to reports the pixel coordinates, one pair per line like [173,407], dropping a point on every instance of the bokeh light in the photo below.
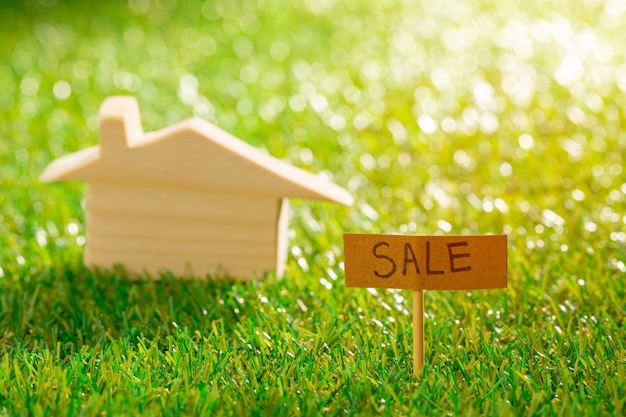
[441,117]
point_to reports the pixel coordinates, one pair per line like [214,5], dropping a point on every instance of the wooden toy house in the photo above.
[189,198]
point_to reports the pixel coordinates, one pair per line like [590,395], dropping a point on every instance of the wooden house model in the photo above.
[189,198]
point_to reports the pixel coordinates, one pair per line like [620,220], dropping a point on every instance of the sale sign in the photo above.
[421,263]
[425,262]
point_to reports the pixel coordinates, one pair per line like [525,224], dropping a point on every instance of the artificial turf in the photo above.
[440,117]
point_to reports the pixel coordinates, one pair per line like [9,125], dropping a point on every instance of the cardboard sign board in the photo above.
[425,262]
[421,263]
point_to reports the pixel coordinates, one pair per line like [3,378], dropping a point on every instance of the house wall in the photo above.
[188,232]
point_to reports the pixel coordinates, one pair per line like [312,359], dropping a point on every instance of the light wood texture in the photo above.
[418,332]
[190,198]
[185,232]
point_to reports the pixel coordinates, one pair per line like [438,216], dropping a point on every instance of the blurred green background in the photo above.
[440,117]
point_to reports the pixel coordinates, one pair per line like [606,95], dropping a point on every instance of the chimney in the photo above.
[120,123]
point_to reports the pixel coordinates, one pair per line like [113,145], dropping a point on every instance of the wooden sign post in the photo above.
[421,263]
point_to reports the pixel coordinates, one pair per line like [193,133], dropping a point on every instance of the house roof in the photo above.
[192,154]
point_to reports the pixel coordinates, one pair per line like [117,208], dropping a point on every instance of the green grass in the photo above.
[455,117]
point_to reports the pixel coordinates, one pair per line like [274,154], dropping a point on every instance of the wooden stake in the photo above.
[418,331]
